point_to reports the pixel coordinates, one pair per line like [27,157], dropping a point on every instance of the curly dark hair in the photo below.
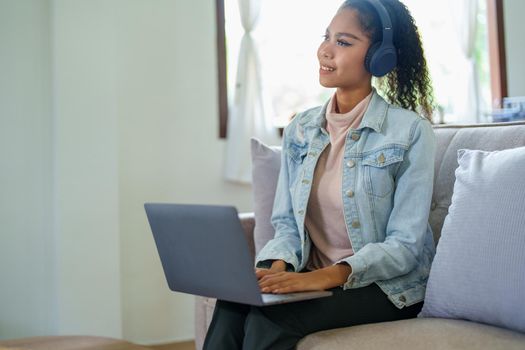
[408,85]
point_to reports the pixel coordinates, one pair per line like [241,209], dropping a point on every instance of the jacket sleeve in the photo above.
[408,222]
[286,244]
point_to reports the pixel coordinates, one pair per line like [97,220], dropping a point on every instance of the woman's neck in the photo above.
[347,100]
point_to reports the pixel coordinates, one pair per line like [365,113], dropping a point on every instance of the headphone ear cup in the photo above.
[380,59]
[370,55]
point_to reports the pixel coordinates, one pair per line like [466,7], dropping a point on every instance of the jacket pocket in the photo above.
[379,169]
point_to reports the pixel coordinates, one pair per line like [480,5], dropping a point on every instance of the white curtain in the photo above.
[466,100]
[249,116]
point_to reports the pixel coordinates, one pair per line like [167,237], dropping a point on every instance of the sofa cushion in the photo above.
[450,138]
[416,334]
[477,273]
[266,162]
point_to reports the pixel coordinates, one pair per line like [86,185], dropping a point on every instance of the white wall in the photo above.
[169,148]
[105,104]
[86,167]
[513,11]
[27,245]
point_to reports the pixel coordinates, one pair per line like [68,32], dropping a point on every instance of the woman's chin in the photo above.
[325,83]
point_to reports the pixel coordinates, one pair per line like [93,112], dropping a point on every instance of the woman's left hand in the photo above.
[290,282]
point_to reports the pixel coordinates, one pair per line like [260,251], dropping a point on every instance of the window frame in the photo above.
[497,57]
[221,69]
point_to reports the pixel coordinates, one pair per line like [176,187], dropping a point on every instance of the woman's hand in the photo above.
[290,282]
[277,266]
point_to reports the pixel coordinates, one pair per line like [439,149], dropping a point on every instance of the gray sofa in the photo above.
[419,333]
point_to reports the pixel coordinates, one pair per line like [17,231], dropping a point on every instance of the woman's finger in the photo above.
[289,286]
[273,278]
[272,284]
[284,290]
[277,283]
[278,286]
[259,273]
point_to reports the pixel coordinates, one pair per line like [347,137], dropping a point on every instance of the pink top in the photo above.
[324,217]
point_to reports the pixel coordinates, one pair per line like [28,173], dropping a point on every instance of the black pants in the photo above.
[239,326]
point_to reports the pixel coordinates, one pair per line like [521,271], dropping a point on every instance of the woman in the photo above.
[354,192]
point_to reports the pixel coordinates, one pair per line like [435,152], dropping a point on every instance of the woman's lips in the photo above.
[324,70]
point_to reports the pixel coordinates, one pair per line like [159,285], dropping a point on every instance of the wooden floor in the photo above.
[189,345]
[85,343]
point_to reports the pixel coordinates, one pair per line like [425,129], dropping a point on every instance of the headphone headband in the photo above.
[386,24]
[381,57]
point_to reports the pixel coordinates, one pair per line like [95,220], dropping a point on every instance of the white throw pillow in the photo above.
[478,272]
[266,163]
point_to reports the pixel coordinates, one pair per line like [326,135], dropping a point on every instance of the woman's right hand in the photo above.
[277,266]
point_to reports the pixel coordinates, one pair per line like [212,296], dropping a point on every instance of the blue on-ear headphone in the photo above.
[381,57]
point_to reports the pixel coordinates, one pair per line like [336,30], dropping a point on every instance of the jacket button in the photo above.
[355,137]
[301,212]
[402,299]
[350,193]
[356,224]
[350,164]
[306,181]
[433,206]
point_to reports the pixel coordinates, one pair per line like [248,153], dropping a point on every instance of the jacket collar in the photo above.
[373,118]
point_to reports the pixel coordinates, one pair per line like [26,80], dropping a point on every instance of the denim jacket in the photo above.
[388,171]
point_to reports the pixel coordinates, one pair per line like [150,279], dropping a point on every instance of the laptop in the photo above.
[204,252]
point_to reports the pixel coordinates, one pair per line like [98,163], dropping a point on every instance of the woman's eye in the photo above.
[342,43]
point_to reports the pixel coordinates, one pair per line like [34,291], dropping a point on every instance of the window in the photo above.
[446,62]
[289,32]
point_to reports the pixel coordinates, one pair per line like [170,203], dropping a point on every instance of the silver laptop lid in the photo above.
[203,251]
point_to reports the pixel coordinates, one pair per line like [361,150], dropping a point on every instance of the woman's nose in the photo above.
[324,51]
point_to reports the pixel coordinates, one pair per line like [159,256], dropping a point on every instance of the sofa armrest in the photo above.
[204,306]
[248,225]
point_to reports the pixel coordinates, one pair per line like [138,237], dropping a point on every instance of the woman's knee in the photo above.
[270,328]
